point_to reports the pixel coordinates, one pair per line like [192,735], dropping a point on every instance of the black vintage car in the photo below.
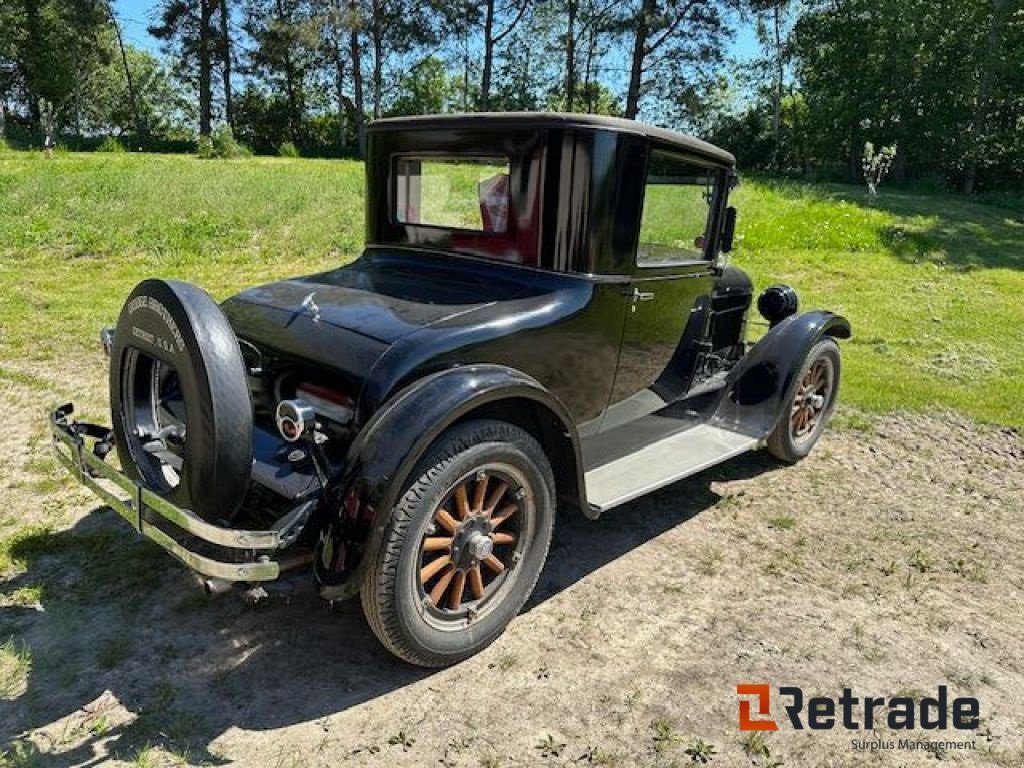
[541,318]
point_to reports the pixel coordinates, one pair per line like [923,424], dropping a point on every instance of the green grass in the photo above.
[77,231]
[931,283]
[15,666]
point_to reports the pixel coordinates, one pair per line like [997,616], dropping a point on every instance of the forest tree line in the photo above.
[941,79]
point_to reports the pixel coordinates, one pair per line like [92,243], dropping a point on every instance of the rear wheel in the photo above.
[465,546]
[810,406]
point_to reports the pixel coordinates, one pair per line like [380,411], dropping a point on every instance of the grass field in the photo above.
[931,283]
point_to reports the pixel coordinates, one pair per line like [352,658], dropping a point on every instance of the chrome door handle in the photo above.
[639,295]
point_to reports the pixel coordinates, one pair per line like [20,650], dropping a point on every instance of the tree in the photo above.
[426,90]
[938,78]
[987,65]
[48,50]
[159,109]
[357,75]
[285,36]
[663,58]
[773,25]
[132,101]
[186,28]
[597,22]
[499,21]
[224,53]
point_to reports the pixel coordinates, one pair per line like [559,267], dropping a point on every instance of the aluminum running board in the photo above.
[658,464]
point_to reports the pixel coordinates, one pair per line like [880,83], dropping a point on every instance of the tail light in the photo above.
[328,403]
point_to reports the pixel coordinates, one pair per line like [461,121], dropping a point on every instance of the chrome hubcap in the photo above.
[480,546]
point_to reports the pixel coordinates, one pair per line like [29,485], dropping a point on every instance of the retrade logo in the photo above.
[854,713]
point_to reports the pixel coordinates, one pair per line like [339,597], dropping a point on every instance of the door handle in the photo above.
[637,296]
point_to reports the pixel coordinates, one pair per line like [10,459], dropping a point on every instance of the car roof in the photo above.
[555,119]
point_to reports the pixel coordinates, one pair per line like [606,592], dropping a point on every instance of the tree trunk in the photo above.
[570,56]
[337,52]
[378,57]
[291,91]
[777,95]
[357,81]
[3,121]
[636,69]
[485,78]
[205,13]
[465,77]
[853,170]
[132,101]
[225,45]
[983,104]
[588,68]
[798,132]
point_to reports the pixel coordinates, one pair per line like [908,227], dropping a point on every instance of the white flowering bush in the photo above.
[876,165]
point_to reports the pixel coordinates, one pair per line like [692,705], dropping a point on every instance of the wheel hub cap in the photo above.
[480,546]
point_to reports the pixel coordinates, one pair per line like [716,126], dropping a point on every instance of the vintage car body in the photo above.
[629,372]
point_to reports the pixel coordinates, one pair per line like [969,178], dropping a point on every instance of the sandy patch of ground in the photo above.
[889,562]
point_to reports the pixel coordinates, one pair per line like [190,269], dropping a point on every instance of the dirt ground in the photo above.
[888,562]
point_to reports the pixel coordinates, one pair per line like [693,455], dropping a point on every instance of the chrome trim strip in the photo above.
[71,452]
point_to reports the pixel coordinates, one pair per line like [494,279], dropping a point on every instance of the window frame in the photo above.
[436,156]
[715,172]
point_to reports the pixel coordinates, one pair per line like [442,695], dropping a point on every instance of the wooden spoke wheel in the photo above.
[465,544]
[472,542]
[810,405]
[813,394]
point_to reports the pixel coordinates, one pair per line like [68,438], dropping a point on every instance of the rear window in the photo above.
[459,192]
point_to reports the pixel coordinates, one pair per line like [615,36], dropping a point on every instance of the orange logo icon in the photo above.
[763,694]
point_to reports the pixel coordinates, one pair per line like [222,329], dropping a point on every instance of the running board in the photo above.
[658,464]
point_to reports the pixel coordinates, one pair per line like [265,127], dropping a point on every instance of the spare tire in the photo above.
[179,399]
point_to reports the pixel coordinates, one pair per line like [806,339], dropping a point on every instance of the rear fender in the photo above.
[759,386]
[387,449]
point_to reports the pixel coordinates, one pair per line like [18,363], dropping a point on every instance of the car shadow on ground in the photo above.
[118,623]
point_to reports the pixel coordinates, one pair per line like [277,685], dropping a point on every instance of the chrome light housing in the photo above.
[294,419]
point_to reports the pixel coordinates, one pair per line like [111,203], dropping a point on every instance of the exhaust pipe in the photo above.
[214,587]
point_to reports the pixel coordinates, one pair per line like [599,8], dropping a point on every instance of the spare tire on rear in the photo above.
[179,400]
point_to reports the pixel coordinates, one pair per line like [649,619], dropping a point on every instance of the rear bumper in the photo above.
[247,555]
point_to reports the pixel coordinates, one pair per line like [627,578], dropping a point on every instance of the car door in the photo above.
[669,288]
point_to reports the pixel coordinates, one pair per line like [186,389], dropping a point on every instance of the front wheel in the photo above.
[810,406]
[465,545]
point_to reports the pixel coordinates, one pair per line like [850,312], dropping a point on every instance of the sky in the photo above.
[135,16]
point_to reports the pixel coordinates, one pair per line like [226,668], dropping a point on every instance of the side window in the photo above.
[677,207]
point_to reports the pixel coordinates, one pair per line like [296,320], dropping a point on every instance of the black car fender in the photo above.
[396,437]
[761,383]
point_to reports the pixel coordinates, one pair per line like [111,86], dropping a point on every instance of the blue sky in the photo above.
[135,15]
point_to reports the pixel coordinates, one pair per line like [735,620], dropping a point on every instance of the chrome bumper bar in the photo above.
[131,501]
